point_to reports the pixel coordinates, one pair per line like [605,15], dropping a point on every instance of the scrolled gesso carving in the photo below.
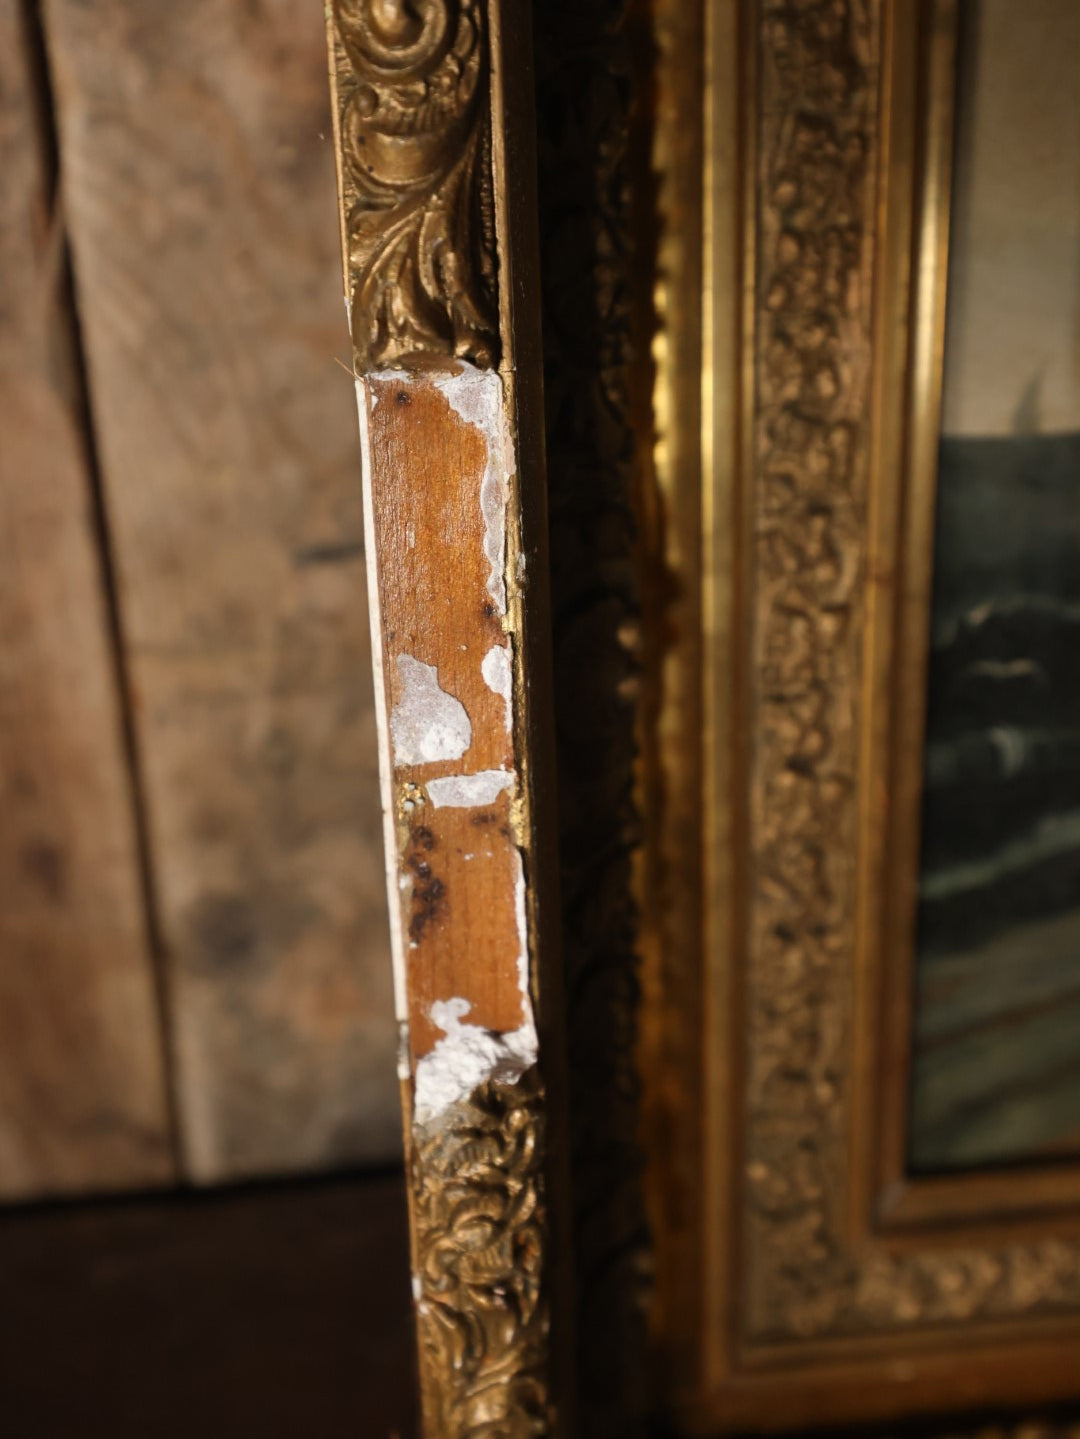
[415,134]
[482,1308]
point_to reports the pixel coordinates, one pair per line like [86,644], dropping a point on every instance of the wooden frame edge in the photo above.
[439,247]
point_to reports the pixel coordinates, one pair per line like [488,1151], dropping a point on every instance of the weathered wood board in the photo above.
[82,1096]
[198,181]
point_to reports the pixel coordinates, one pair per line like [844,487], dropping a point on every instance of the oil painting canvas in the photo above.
[996,1047]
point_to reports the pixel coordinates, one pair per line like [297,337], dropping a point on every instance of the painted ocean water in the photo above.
[996,1074]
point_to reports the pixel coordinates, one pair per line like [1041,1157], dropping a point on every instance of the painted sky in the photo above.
[1013,325]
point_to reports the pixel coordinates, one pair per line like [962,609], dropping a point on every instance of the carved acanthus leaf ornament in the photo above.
[413,112]
[479,1219]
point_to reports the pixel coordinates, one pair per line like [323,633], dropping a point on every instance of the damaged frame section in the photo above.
[445,575]
[446,578]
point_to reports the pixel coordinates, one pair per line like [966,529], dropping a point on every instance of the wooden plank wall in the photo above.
[82,1093]
[198,194]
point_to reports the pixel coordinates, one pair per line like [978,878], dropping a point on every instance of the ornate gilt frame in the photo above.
[803,1278]
[434,132]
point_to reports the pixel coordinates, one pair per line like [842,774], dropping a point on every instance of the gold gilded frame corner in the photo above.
[803,1278]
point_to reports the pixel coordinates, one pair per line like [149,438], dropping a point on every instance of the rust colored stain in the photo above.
[432,477]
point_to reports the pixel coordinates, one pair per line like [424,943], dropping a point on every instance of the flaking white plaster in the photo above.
[476,396]
[465,791]
[426,724]
[466,1057]
[499,676]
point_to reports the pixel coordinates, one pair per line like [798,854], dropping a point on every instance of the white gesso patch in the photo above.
[499,677]
[476,396]
[426,724]
[465,791]
[467,1057]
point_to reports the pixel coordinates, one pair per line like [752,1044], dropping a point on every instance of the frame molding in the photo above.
[437,172]
[417,198]
[907,403]
[813,1282]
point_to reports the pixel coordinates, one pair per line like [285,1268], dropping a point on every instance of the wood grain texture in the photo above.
[81,1081]
[461,928]
[198,179]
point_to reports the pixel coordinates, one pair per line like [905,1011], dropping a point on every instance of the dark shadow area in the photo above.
[270,1311]
[596,242]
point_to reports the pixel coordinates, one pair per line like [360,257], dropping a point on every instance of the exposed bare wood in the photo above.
[449,675]
[198,181]
[82,1101]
